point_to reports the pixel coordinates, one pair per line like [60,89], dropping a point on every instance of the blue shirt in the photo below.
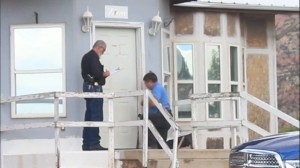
[161,95]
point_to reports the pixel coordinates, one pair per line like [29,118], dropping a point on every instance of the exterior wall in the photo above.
[255,33]
[260,40]
[200,28]
[77,43]
[287,46]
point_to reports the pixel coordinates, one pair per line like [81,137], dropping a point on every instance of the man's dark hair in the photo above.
[150,76]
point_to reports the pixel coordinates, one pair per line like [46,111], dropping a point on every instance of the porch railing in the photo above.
[238,105]
[240,122]
[110,124]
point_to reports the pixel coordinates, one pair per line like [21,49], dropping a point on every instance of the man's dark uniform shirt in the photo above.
[91,65]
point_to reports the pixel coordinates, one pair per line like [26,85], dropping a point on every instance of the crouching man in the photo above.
[158,120]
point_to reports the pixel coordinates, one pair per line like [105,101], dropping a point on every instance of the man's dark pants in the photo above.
[162,126]
[94,112]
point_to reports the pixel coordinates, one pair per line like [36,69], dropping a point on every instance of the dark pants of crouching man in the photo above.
[162,126]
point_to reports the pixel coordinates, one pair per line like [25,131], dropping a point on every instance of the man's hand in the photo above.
[106,74]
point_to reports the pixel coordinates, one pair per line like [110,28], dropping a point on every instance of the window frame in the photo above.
[236,83]
[14,72]
[177,82]
[166,43]
[207,82]
[239,82]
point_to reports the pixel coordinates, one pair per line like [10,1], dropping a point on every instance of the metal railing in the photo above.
[110,124]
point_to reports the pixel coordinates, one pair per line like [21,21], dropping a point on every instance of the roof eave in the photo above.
[238,6]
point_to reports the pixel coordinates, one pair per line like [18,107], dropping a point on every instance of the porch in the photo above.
[235,131]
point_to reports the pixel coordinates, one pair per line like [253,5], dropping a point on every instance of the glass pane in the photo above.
[38,107]
[185,113]
[214,108]
[38,48]
[212,55]
[166,58]
[234,88]
[38,83]
[184,92]
[234,63]
[167,85]
[184,54]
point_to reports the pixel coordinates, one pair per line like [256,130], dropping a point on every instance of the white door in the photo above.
[120,52]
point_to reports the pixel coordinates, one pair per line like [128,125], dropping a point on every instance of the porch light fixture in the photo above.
[156,22]
[87,19]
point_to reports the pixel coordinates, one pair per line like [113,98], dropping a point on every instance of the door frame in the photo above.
[140,43]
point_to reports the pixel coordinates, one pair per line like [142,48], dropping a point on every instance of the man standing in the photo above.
[158,120]
[93,74]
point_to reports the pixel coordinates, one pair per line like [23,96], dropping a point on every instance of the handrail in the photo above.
[235,123]
[110,123]
[271,109]
[241,97]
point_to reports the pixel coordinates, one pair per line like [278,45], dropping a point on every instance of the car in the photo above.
[276,151]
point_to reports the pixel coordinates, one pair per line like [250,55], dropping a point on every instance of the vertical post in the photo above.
[273,124]
[244,117]
[145,128]
[194,118]
[175,149]
[233,117]
[111,135]
[57,131]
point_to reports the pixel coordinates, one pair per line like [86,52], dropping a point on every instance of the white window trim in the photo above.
[244,69]
[176,81]
[13,71]
[239,82]
[167,73]
[207,82]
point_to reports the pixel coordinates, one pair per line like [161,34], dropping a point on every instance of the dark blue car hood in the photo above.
[286,145]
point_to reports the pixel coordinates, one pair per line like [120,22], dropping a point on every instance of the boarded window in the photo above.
[184,23]
[212,26]
[256,33]
[231,23]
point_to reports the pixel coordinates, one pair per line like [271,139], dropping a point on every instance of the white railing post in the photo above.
[145,128]
[175,148]
[233,129]
[244,117]
[111,135]
[57,131]
[194,118]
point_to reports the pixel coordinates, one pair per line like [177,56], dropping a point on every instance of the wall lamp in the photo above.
[156,22]
[87,20]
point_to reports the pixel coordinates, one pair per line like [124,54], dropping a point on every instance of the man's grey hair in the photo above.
[99,43]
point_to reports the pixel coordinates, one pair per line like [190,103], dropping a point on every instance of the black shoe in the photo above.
[94,148]
[98,148]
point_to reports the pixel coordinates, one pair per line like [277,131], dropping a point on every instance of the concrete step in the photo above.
[187,158]
[124,158]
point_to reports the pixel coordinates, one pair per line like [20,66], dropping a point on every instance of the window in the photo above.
[37,65]
[184,79]
[234,73]
[213,73]
[234,68]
